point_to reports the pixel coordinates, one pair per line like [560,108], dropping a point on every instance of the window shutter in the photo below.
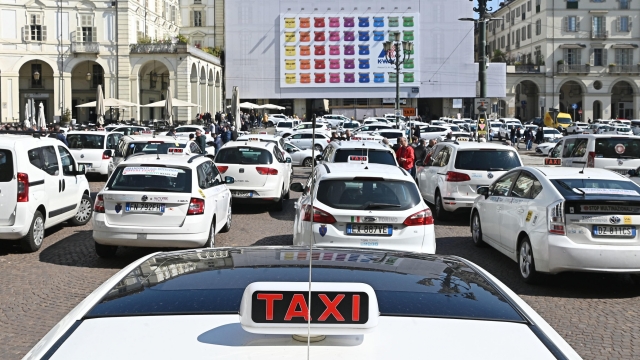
[629,17]
[618,23]
[605,51]
[203,18]
[617,60]
[577,23]
[44,33]
[591,56]
[594,29]
[579,56]
[566,23]
[79,34]
[94,34]
[26,33]
[38,20]
[565,55]
[191,18]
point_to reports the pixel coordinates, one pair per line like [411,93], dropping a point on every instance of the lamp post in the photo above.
[396,57]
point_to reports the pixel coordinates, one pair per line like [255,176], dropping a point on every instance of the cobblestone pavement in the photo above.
[597,314]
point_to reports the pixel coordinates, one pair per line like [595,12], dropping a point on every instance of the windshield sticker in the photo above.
[156,171]
[599,191]
[609,208]
[620,149]
[201,193]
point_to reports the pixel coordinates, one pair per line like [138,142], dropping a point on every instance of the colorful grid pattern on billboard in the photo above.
[338,50]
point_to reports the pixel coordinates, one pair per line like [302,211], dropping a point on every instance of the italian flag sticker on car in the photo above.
[355,219]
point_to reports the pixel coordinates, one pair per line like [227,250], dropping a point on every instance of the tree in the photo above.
[499,56]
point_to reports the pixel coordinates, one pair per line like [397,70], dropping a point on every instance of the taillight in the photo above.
[266,170]
[206,133]
[99,204]
[223,169]
[196,207]
[591,159]
[319,216]
[105,157]
[453,176]
[555,214]
[23,187]
[423,217]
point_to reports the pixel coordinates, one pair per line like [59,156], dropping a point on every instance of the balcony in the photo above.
[599,34]
[85,47]
[624,69]
[527,69]
[157,48]
[573,69]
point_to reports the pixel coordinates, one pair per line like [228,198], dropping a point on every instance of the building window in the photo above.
[624,4]
[538,55]
[572,56]
[529,31]
[513,16]
[538,27]
[197,2]
[572,4]
[97,78]
[571,23]
[537,6]
[197,43]
[517,11]
[598,26]
[197,18]
[524,34]
[86,32]
[624,23]
[522,10]
[624,57]
[598,57]
[508,18]
[35,31]
[173,14]
[597,110]
[529,5]
[36,83]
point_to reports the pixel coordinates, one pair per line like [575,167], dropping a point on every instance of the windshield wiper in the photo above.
[372,205]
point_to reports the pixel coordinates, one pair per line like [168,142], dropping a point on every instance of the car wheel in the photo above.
[318,147]
[439,211]
[85,209]
[526,263]
[308,162]
[227,225]
[476,230]
[279,205]
[270,124]
[211,241]
[33,240]
[499,137]
[105,251]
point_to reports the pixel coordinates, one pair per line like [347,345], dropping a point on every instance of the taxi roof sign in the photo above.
[552,162]
[282,308]
[358,159]
[174,150]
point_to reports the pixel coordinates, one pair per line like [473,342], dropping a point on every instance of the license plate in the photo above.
[243,193]
[617,231]
[87,166]
[362,229]
[144,207]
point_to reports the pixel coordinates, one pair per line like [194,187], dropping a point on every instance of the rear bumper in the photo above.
[21,224]
[257,195]
[194,232]
[566,255]
[101,167]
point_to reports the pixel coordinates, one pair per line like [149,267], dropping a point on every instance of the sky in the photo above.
[492,4]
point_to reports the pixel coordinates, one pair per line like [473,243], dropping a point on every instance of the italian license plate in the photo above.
[145,207]
[243,193]
[87,166]
[362,229]
[617,231]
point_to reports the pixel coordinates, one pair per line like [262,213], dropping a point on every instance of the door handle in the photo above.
[499,208]
[521,210]
[64,184]
[59,185]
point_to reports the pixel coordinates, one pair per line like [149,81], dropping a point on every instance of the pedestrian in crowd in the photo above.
[234,133]
[201,140]
[397,145]
[416,131]
[347,135]
[334,136]
[449,136]
[172,132]
[512,134]
[386,143]
[540,135]
[226,134]
[212,129]
[528,137]
[60,134]
[405,156]
[252,118]
[414,142]
[421,150]
[187,147]
[518,136]
[245,125]
[265,120]
[217,144]
[589,120]
[431,144]
[217,117]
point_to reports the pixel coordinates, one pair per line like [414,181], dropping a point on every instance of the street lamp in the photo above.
[396,57]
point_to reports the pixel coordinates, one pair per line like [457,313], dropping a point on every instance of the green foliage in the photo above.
[66,116]
[215,51]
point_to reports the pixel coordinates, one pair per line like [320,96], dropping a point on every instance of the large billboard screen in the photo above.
[346,51]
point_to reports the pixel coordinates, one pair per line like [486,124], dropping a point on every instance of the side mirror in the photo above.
[296,187]
[108,153]
[81,170]
[483,190]
[229,180]
[288,160]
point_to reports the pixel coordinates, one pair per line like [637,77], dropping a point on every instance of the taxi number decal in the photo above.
[529,214]
[328,307]
[550,161]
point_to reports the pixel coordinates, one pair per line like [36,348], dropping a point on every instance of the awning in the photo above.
[624,46]
[572,46]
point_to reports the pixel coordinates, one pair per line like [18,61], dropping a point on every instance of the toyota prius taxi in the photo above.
[258,303]
[361,204]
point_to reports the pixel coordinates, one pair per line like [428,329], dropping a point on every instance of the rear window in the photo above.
[596,187]
[606,147]
[85,141]
[244,155]
[368,194]
[487,160]
[150,178]
[152,148]
[391,135]
[564,120]
[6,165]
[350,125]
[375,156]
[551,132]
[284,124]
[186,129]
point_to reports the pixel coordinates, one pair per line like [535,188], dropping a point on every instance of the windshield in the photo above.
[595,187]
[368,194]
[186,129]
[551,132]
[85,141]
[285,124]
[487,160]
[244,155]
[496,125]
[375,156]
[606,147]
[454,128]
[149,148]
[564,120]
[147,178]
[350,125]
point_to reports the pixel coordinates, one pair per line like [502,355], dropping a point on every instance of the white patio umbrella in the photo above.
[248,105]
[168,107]
[41,120]
[32,113]
[109,102]
[271,107]
[175,102]
[99,106]
[27,115]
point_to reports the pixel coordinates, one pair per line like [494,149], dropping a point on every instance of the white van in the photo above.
[88,149]
[617,153]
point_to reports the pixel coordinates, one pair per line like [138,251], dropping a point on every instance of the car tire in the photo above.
[211,240]
[439,212]
[499,137]
[279,205]
[269,124]
[526,262]
[318,147]
[476,230]
[35,237]
[105,251]
[227,224]
[85,210]
[308,162]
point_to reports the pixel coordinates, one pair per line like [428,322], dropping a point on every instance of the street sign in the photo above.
[523,102]
[457,103]
[478,101]
[574,106]
[409,111]
[398,112]
[580,112]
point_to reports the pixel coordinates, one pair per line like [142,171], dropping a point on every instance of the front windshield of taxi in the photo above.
[375,156]
[487,160]
[152,148]
[85,141]
[150,178]
[350,125]
[285,124]
[551,132]
[368,194]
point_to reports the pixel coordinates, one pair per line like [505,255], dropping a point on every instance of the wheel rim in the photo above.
[212,236]
[526,258]
[84,211]
[475,228]
[307,163]
[38,231]
[318,148]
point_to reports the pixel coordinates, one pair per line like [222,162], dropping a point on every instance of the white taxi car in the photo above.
[88,148]
[454,170]
[360,204]
[171,200]
[261,172]
[555,219]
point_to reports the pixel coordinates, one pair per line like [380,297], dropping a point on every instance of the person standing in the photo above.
[421,150]
[172,132]
[347,135]
[518,136]
[405,156]
[416,131]
[540,135]
[201,140]
[234,133]
[60,135]
[265,120]
[527,139]
[512,135]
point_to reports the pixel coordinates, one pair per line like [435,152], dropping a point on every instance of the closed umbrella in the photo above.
[168,107]
[32,113]
[99,106]
[27,115]
[42,123]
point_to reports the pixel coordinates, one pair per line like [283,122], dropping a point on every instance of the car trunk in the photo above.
[621,165]
[358,222]
[91,158]
[246,176]
[479,167]
[605,221]
[158,209]
[8,187]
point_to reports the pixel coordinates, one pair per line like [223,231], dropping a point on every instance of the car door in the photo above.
[306,141]
[517,211]
[433,172]
[567,149]
[296,139]
[71,194]
[491,209]
[425,174]
[302,229]
[577,157]
[46,159]
[215,192]
[556,152]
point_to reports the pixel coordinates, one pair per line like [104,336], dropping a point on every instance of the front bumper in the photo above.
[566,255]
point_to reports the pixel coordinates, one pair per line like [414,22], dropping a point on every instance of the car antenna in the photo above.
[584,166]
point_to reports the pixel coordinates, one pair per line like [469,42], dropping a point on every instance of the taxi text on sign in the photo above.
[409,111]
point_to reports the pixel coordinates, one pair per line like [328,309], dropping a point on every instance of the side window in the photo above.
[50,159]
[525,186]
[307,136]
[194,148]
[433,158]
[326,154]
[202,177]
[580,148]
[557,151]
[568,147]
[68,165]
[297,136]
[445,155]
[503,185]
[278,155]
[35,158]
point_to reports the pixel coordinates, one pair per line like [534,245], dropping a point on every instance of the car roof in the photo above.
[11,139]
[87,132]
[599,136]
[477,145]
[564,172]
[166,159]
[259,136]
[351,170]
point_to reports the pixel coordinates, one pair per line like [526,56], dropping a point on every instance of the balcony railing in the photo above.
[599,34]
[573,69]
[527,69]
[85,47]
[156,48]
[624,69]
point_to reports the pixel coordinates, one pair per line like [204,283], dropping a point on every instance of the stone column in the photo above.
[10,102]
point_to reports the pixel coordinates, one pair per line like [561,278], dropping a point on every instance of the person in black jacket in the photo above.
[201,140]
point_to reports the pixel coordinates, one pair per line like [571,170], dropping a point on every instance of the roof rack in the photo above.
[35,134]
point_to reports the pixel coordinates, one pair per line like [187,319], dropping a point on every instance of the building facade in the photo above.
[59,52]
[579,56]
